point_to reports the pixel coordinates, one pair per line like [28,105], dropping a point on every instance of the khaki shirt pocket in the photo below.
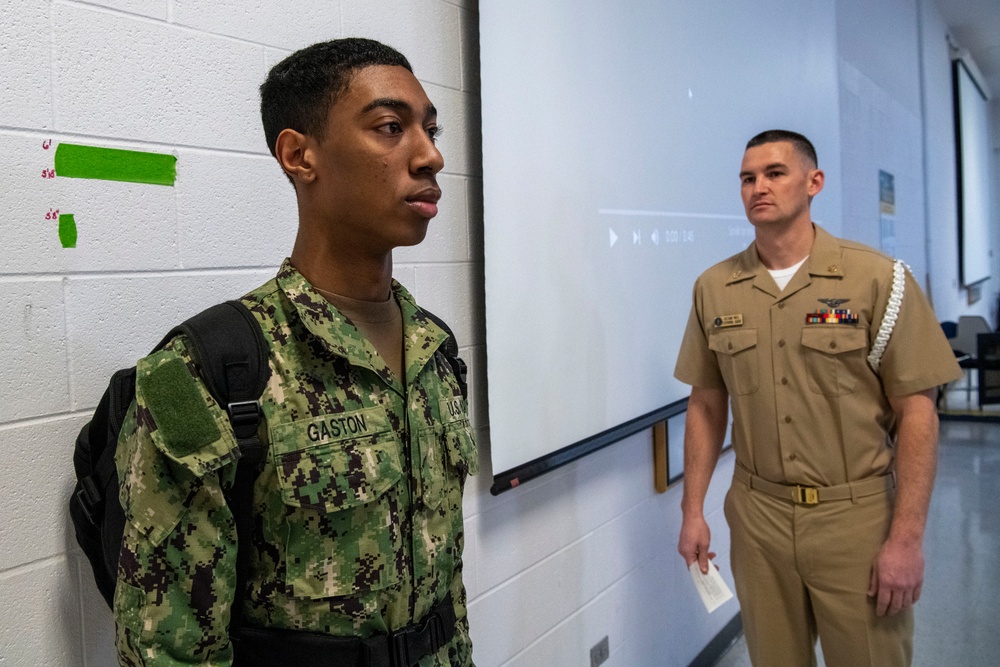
[337,475]
[835,357]
[736,351]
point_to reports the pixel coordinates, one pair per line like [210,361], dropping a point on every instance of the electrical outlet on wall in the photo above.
[599,652]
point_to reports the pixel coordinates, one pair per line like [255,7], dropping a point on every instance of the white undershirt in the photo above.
[782,276]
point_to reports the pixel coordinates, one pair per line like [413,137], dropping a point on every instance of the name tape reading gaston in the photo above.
[335,427]
[356,423]
[329,428]
[348,425]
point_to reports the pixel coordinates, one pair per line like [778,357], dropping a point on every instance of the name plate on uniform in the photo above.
[728,321]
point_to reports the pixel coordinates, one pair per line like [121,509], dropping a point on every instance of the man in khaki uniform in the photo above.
[831,356]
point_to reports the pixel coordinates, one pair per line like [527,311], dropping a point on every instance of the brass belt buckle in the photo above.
[806,495]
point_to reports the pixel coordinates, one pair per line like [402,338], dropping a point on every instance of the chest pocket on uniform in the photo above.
[736,351]
[336,475]
[835,357]
[447,455]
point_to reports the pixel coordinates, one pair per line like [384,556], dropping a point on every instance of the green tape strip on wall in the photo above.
[113,164]
[67,230]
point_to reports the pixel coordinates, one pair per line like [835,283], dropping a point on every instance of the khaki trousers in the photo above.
[803,571]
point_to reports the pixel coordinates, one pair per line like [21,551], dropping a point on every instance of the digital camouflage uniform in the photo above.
[358,509]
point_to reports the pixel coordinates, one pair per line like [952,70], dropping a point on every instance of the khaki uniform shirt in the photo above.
[807,407]
[358,509]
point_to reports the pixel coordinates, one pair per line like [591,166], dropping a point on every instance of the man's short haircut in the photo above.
[801,144]
[300,90]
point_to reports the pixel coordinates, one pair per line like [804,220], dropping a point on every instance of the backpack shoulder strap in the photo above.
[451,353]
[230,350]
[232,355]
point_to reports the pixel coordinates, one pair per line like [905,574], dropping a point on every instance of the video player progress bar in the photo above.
[668,214]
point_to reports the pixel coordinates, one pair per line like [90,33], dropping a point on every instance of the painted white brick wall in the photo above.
[427,33]
[264,22]
[589,551]
[233,209]
[157,9]
[121,226]
[34,345]
[43,625]
[114,320]
[25,79]
[35,482]
[118,75]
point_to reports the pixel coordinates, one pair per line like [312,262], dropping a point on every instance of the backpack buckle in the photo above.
[245,418]
[408,645]
[88,499]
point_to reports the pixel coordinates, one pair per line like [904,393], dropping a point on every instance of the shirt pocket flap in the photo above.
[460,445]
[155,492]
[835,339]
[732,342]
[337,461]
[448,455]
[459,439]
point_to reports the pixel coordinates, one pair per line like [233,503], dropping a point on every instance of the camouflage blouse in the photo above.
[358,510]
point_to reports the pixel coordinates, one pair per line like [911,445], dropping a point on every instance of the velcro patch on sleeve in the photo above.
[178,408]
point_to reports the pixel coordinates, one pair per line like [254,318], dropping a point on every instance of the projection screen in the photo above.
[972,134]
[612,140]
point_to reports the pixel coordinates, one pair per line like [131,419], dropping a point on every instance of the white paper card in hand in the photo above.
[711,587]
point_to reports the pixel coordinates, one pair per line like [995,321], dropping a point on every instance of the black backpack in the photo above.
[232,355]
[230,350]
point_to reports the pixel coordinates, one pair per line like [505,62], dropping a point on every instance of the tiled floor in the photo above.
[956,620]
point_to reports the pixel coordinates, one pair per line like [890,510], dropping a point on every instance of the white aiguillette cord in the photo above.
[891,315]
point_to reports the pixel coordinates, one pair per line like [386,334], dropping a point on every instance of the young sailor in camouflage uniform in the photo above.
[357,511]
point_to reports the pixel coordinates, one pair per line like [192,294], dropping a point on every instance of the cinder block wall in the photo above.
[551,567]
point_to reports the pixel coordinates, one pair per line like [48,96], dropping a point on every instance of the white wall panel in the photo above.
[113,321]
[426,32]
[233,210]
[117,76]
[25,88]
[33,347]
[36,481]
[156,9]
[42,615]
[263,21]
